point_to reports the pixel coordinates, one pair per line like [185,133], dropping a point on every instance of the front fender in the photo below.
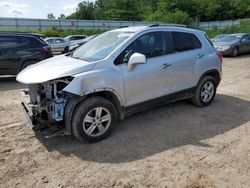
[106,79]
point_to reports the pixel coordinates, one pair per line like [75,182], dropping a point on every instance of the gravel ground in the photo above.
[177,145]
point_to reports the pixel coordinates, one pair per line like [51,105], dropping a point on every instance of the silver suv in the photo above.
[119,73]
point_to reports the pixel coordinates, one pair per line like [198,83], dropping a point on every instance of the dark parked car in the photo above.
[233,44]
[19,50]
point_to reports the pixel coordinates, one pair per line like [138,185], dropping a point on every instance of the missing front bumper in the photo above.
[43,127]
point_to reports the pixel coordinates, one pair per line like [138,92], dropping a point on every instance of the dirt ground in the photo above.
[178,145]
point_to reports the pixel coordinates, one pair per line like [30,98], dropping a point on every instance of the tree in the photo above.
[62,16]
[84,11]
[51,16]
[179,11]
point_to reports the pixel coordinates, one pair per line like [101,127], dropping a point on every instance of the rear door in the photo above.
[187,53]
[9,57]
[244,44]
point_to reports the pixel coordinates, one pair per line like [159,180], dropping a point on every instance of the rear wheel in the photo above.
[93,119]
[205,92]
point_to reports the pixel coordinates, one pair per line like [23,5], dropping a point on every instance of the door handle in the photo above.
[200,55]
[165,65]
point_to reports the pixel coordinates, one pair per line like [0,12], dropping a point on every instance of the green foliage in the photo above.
[62,16]
[85,10]
[175,11]
[244,27]
[179,17]
[55,32]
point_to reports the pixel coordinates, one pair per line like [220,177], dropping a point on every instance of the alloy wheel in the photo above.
[207,92]
[97,121]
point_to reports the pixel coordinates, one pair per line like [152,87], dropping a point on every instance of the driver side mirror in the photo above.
[136,59]
[243,40]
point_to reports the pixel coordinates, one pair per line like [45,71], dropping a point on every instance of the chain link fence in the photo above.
[26,24]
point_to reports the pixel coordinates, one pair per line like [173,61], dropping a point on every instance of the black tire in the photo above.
[83,109]
[197,98]
[66,50]
[235,52]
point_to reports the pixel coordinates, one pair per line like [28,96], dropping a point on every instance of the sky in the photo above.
[37,8]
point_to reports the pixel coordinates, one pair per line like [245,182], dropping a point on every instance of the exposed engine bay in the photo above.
[46,102]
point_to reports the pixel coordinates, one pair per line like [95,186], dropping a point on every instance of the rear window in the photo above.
[185,41]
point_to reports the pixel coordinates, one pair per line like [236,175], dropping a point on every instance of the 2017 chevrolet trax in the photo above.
[118,73]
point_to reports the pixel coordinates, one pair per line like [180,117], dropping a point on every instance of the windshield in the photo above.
[101,46]
[230,38]
[219,36]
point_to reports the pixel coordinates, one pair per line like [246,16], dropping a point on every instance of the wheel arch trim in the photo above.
[213,72]
[73,102]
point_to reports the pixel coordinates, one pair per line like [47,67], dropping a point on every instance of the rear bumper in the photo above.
[226,52]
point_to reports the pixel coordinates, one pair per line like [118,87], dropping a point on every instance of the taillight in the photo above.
[47,49]
[220,56]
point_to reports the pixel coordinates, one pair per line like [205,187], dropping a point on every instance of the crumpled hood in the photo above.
[224,43]
[53,68]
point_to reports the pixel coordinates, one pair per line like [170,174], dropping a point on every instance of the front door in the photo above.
[146,81]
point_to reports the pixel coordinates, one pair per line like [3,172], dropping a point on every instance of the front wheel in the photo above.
[205,92]
[93,119]
[235,52]
[66,50]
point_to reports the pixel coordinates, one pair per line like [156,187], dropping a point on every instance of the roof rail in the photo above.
[173,25]
[21,33]
[124,26]
[154,25]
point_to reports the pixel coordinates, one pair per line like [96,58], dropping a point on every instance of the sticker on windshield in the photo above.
[124,35]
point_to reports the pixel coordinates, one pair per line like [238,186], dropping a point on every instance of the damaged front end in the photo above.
[45,103]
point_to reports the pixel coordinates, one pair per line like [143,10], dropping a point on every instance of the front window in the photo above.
[152,44]
[59,41]
[230,38]
[101,46]
[50,41]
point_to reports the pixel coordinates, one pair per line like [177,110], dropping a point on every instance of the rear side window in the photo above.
[29,42]
[8,42]
[50,41]
[185,41]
